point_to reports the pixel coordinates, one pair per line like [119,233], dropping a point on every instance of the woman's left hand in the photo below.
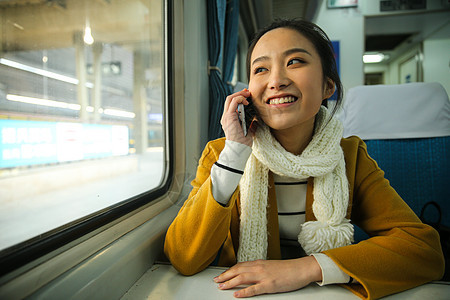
[270,276]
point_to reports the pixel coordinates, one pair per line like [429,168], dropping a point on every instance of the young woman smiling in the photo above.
[278,205]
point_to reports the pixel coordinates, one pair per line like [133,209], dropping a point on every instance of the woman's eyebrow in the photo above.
[261,58]
[286,53]
[296,50]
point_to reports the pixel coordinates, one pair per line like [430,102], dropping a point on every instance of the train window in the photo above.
[82,111]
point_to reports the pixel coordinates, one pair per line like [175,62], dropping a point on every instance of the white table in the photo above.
[163,282]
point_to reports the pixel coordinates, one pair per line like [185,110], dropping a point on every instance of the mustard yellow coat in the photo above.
[402,252]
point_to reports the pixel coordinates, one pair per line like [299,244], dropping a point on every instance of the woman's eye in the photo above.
[295,61]
[259,70]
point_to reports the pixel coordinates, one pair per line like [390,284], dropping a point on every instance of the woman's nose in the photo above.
[278,79]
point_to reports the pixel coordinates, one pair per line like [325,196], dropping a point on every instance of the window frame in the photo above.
[24,253]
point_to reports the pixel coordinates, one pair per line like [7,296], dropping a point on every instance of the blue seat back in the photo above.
[419,170]
[407,131]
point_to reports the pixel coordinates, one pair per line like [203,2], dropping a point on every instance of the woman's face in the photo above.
[286,80]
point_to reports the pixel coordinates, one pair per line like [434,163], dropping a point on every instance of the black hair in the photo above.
[321,43]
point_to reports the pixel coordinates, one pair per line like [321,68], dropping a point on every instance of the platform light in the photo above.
[54,75]
[373,58]
[118,113]
[72,106]
[88,38]
[42,72]
[38,71]
[44,102]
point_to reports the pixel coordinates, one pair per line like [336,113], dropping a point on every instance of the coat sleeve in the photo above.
[401,252]
[202,225]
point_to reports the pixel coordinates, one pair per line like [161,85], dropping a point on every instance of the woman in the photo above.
[279,201]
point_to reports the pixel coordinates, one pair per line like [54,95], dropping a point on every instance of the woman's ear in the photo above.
[328,89]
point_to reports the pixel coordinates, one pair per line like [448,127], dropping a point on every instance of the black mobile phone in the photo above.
[247,114]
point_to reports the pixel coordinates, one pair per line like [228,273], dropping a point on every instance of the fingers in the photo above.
[256,285]
[250,291]
[243,274]
[267,277]
[241,279]
[246,278]
[228,274]
[230,121]
[239,97]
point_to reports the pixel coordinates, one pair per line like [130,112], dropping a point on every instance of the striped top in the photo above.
[291,202]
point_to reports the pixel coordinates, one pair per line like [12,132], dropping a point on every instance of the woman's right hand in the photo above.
[270,276]
[230,120]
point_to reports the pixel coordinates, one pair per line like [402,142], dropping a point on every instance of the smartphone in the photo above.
[247,114]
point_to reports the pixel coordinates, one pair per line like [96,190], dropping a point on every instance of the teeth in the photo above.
[282,100]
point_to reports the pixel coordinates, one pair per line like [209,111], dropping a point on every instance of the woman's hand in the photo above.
[230,120]
[270,276]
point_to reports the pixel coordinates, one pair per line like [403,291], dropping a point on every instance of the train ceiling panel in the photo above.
[45,24]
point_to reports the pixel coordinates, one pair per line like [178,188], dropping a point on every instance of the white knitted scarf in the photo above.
[323,159]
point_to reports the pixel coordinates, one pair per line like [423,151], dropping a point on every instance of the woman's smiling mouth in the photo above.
[281,100]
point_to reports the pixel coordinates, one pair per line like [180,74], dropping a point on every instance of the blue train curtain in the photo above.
[223,20]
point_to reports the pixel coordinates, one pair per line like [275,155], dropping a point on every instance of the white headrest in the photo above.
[412,110]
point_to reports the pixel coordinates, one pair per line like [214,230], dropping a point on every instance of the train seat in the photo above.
[407,131]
